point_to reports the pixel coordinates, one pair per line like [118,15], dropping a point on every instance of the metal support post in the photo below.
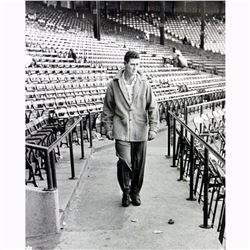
[206,183]
[201,110]
[181,154]
[90,131]
[53,168]
[186,118]
[48,170]
[222,230]
[169,136]
[191,173]
[82,140]
[174,142]
[71,157]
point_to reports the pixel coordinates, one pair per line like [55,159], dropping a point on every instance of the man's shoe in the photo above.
[125,200]
[136,201]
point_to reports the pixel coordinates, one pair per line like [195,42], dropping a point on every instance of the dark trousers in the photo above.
[130,166]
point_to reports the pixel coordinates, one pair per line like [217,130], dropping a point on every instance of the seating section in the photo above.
[179,26]
[211,59]
[59,89]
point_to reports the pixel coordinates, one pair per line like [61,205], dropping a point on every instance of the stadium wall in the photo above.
[42,212]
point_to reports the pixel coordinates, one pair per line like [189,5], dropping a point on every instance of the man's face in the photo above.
[132,66]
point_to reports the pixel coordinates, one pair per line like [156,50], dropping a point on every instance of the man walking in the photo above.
[130,116]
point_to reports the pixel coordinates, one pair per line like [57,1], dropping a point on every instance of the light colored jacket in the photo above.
[130,122]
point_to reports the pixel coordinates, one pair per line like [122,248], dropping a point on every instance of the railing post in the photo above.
[186,118]
[169,135]
[201,110]
[222,229]
[53,168]
[213,106]
[71,156]
[82,140]
[181,154]
[223,104]
[48,170]
[191,173]
[206,183]
[174,141]
[166,113]
[90,131]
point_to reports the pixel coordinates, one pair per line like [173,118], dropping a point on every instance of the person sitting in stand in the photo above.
[184,40]
[72,55]
[176,52]
[181,61]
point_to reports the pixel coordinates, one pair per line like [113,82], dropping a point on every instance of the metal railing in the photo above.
[200,106]
[179,103]
[48,153]
[198,152]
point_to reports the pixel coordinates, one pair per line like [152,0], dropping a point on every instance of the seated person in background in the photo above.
[72,54]
[189,42]
[30,61]
[181,61]
[176,52]
[147,37]
[184,40]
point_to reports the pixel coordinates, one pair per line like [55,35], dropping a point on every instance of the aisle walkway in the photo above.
[95,218]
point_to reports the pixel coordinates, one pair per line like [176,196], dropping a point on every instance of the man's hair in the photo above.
[131,54]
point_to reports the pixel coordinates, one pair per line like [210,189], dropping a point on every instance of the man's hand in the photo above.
[151,135]
[110,135]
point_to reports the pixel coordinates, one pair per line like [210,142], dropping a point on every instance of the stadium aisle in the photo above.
[96,219]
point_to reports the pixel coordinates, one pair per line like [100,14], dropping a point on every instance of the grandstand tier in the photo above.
[64,94]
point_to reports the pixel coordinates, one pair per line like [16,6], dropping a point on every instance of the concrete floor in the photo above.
[95,219]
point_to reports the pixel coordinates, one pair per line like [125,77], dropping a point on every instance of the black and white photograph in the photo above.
[124,125]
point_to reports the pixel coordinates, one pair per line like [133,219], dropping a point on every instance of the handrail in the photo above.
[34,146]
[55,143]
[201,105]
[207,146]
[49,152]
[185,95]
[205,161]
[206,103]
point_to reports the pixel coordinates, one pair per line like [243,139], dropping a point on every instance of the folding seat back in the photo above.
[70,101]
[38,104]
[82,109]
[30,128]
[72,111]
[50,86]
[30,87]
[49,103]
[40,86]
[62,113]
[53,78]
[40,95]
[35,113]
[78,92]
[60,93]
[60,102]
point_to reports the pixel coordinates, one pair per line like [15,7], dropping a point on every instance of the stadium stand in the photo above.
[64,98]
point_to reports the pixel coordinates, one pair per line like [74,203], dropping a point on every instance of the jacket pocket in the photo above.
[141,118]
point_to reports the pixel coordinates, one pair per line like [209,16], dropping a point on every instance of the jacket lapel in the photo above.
[123,90]
[136,87]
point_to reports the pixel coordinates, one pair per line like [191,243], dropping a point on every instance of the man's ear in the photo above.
[125,63]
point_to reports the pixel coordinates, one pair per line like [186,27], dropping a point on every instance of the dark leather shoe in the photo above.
[125,200]
[136,201]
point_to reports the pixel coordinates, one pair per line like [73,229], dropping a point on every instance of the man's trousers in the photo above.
[130,166]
